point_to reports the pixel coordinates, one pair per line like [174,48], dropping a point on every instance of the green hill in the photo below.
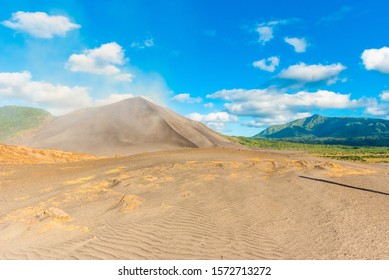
[332,130]
[16,119]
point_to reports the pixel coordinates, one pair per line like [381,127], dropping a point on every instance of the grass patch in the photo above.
[341,152]
[16,119]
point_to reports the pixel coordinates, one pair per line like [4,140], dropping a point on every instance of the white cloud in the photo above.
[376,59]
[269,64]
[103,60]
[312,73]
[215,120]
[213,117]
[40,25]
[186,98]
[266,29]
[20,86]
[278,119]
[385,95]
[148,43]
[57,98]
[265,34]
[13,79]
[381,110]
[280,21]
[376,108]
[272,106]
[256,102]
[209,105]
[299,44]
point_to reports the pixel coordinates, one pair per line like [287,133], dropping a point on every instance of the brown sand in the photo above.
[212,203]
[26,155]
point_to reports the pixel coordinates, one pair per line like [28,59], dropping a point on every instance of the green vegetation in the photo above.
[332,130]
[353,153]
[16,119]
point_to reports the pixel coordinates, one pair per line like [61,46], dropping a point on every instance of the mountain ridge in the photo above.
[20,119]
[331,130]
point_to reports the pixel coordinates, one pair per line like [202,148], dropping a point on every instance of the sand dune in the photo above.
[128,127]
[195,204]
[25,155]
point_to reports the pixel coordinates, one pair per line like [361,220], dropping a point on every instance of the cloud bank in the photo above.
[270,106]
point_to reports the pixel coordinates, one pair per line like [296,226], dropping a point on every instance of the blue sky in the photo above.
[237,66]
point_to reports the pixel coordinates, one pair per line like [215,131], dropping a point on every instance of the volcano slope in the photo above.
[212,203]
[131,126]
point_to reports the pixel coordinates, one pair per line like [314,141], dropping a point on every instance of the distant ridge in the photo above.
[131,126]
[332,130]
[18,119]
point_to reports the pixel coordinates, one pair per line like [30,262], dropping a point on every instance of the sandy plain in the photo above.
[213,203]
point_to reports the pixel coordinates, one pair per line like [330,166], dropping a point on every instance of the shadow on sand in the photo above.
[343,185]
